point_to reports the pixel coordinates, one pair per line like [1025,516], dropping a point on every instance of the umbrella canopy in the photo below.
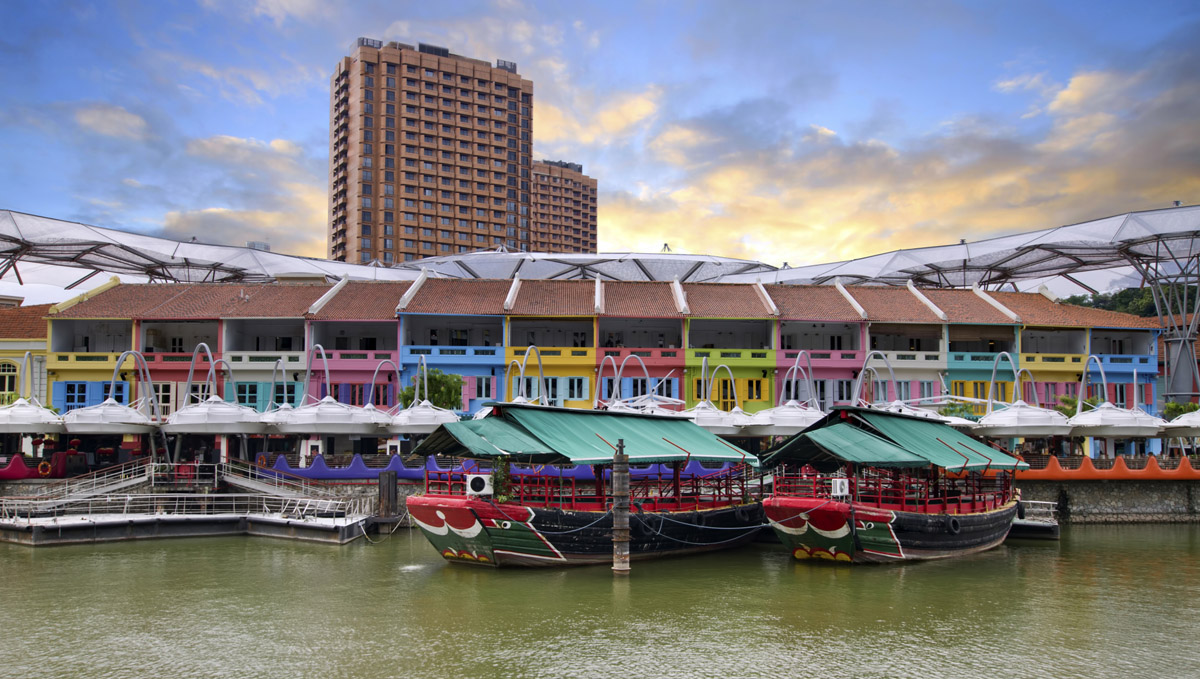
[108,417]
[790,418]
[214,416]
[420,418]
[708,417]
[1022,420]
[1187,424]
[22,417]
[330,417]
[1108,421]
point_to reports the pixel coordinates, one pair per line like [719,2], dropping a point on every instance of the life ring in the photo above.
[261,460]
[44,468]
[952,525]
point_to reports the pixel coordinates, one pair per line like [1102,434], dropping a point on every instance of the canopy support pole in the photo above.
[620,510]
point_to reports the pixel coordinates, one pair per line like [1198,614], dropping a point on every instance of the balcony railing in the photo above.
[1051,361]
[290,358]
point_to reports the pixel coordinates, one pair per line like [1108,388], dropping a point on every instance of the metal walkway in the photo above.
[93,508]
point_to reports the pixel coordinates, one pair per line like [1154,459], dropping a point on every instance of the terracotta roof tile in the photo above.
[555,298]
[1035,309]
[639,300]
[24,322]
[892,304]
[812,303]
[460,296]
[162,301]
[364,301]
[724,300]
[964,306]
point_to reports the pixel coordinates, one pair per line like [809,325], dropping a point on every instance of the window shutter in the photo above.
[58,396]
[95,393]
[626,387]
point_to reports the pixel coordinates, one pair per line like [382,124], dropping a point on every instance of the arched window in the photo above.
[8,381]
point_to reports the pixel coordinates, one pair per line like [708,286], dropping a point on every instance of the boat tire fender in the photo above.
[1020,510]
[952,525]
[741,514]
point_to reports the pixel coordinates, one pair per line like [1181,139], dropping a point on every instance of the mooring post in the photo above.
[388,505]
[620,534]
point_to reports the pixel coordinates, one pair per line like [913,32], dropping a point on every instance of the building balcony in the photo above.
[442,355]
[823,358]
[916,360]
[556,356]
[1048,362]
[734,358]
[266,359]
[978,360]
[1143,364]
[651,357]
[84,360]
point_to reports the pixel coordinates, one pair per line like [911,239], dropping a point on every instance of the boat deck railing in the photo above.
[937,496]
[651,493]
[181,504]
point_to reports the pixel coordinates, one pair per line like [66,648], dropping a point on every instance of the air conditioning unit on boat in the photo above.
[841,487]
[479,484]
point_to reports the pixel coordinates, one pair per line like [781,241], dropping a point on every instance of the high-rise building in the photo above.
[429,154]
[564,208]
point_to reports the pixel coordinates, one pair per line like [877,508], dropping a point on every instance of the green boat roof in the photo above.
[554,435]
[846,442]
[882,439]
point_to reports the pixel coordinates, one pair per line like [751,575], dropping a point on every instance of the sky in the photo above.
[787,132]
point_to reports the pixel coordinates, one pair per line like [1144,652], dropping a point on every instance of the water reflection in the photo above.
[1106,601]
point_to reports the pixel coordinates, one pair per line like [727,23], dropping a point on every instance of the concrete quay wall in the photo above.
[1118,501]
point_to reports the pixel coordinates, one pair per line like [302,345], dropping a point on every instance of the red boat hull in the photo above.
[820,528]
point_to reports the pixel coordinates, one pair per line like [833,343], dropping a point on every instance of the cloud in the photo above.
[625,114]
[241,84]
[112,121]
[1116,141]
[279,156]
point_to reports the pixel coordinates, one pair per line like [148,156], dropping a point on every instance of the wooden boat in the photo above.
[521,510]
[866,486]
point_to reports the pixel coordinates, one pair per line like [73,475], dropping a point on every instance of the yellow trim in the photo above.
[83,297]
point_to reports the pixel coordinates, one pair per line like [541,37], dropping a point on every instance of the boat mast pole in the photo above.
[620,509]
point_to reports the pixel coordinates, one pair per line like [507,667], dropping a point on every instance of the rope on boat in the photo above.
[551,532]
[362,527]
[697,544]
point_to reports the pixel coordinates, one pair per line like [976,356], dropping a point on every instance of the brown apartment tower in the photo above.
[430,154]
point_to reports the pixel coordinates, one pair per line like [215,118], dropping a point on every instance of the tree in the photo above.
[1068,405]
[1174,409]
[964,410]
[445,390]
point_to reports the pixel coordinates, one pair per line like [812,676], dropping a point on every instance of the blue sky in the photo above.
[782,131]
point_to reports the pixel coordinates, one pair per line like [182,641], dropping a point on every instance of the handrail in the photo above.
[122,504]
[94,482]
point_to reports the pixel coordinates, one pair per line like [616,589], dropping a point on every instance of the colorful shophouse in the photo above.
[640,326]
[457,327]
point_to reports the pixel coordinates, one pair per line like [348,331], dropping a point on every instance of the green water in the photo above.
[1105,602]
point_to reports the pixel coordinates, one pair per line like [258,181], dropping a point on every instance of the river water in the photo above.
[1106,601]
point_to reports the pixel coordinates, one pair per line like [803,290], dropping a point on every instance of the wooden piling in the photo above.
[388,495]
[620,509]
